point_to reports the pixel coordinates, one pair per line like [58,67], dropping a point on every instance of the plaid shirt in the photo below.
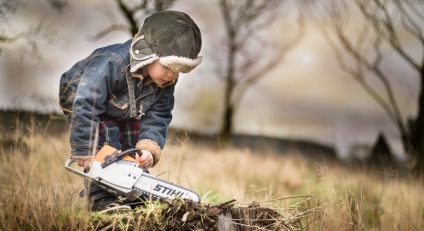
[121,135]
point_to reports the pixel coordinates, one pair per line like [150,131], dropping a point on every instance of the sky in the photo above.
[306,97]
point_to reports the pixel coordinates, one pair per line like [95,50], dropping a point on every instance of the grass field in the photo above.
[37,193]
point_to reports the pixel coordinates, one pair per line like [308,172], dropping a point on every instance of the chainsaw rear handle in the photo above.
[68,167]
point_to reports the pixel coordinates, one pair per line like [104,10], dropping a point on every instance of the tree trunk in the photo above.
[227,123]
[417,133]
[227,120]
[227,126]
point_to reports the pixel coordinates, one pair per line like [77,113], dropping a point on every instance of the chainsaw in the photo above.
[120,174]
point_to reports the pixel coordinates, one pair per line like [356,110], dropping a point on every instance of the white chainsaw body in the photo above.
[127,179]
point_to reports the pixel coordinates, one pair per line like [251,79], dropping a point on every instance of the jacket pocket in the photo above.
[117,105]
[119,102]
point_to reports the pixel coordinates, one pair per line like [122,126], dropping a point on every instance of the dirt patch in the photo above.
[188,215]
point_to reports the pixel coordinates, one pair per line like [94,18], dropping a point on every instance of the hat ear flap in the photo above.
[141,54]
[139,49]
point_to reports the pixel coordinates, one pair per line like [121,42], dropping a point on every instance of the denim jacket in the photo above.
[97,86]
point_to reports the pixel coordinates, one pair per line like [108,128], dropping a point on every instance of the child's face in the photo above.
[160,74]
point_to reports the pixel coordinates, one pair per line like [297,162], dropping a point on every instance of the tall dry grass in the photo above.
[37,193]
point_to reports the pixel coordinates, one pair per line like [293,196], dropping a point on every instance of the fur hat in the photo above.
[171,37]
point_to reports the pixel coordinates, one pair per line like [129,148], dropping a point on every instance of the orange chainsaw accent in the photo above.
[129,158]
[108,150]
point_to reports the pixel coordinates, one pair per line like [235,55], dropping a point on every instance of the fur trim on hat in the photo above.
[152,147]
[180,64]
[146,61]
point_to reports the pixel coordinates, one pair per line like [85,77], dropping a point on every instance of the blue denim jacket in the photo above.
[97,86]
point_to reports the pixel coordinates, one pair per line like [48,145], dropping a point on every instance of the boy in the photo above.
[127,92]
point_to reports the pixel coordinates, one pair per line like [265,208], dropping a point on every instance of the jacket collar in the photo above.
[149,81]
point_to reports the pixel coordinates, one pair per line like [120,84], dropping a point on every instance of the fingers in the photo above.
[86,163]
[146,159]
[80,163]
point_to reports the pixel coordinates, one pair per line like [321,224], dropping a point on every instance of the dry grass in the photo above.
[37,193]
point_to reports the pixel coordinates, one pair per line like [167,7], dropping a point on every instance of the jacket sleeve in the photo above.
[154,124]
[97,81]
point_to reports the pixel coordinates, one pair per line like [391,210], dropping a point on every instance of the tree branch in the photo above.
[392,37]
[109,30]
[279,55]
[391,107]
[409,24]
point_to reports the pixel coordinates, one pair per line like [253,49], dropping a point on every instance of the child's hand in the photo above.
[146,159]
[86,163]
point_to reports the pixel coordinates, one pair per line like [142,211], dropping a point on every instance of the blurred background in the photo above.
[298,71]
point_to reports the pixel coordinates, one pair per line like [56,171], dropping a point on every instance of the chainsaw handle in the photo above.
[68,167]
[108,160]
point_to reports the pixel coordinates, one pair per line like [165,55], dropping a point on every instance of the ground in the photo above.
[187,215]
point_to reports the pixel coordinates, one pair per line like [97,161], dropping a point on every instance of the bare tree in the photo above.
[6,7]
[133,12]
[250,55]
[383,24]
[33,34]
